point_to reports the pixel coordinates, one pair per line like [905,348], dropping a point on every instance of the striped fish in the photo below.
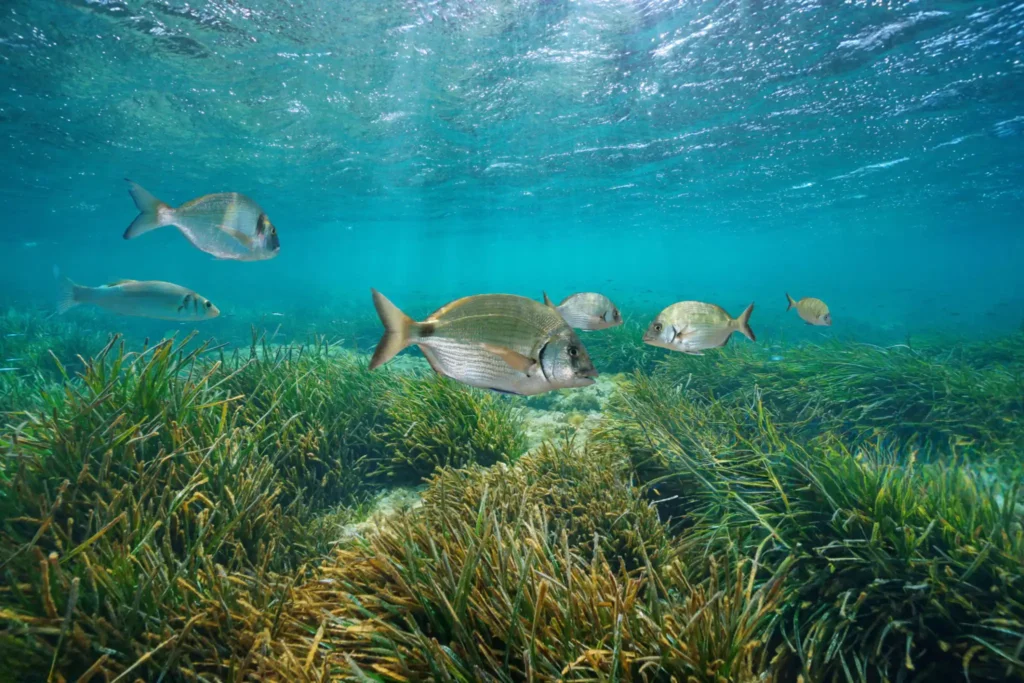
[506,343]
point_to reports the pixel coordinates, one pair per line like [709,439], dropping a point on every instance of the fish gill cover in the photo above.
[228,493]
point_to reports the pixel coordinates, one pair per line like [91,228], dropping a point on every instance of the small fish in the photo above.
[227,225]
[692,326]
[813,311]
[8,369]
[776,359]
[277,315]
[13,360]
[30,245]
[587,311]
[506,343]
[149,299]
[15,334]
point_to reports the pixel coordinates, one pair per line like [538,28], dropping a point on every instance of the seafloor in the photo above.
[832,511]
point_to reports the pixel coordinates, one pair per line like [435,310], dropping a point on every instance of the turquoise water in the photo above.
[867,154]
[242,499]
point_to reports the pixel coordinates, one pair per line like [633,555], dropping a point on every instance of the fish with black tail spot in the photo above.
[812,311]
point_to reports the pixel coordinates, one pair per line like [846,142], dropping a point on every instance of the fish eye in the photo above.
[573,352]
[657,327]
[209,304]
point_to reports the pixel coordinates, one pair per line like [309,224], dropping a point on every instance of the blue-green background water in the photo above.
[870,154]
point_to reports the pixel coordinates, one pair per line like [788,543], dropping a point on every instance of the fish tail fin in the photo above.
[743,323]
[790,301]
[154,213]
[399,330]
[547,301]
[68,296]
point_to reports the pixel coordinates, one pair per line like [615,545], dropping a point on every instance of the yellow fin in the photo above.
[516,361]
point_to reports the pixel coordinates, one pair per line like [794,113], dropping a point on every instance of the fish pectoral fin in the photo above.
[238,235]
[682,334]
[514,359]
[596,320]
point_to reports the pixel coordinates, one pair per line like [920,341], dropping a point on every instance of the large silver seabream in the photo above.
[502,342]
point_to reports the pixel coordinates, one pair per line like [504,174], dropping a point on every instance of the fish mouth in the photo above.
[588,374]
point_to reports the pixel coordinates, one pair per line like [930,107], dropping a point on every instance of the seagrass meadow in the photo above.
[199,510]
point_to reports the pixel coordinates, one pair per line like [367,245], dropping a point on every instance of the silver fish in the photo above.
[227,225]
[692,326]
[502,342]
[587,311]
[149,299]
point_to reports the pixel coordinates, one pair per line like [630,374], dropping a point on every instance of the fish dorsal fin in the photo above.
[115,283]
[547,301]
[515,360]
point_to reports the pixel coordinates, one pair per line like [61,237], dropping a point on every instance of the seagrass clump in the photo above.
[326,408]
[432,422]
[156,511]
[939,406]
[517,573]
[33,347]
[902,570]
[144,523]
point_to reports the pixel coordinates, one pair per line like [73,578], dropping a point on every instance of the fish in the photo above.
[8,369]
[775,359]
[813,311]
[692,326]
[226,225]
[506,343]
[587,311]
[144,299]
[15,334]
